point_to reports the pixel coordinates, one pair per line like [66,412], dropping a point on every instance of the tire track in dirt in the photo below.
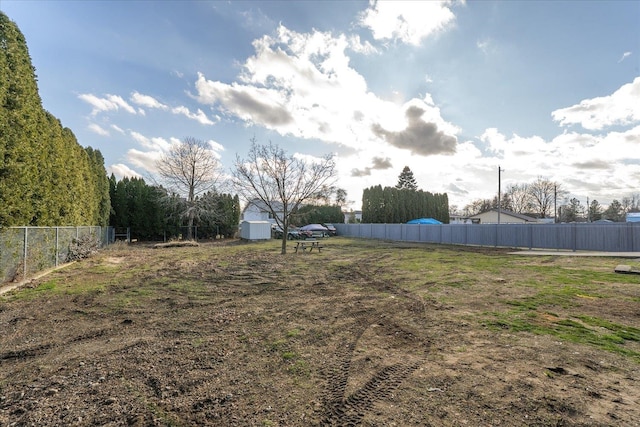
[340,409]
[349,409]
[41,349]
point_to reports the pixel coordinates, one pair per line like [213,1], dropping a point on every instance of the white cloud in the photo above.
[486,46]
[620,108]
[215,146]
[591,165]
[624,56]
[146,160]
[147,101]
[157,143]
[121,170]
[115,103]
[302,85]
[97,129]
[117,129]
[156,147]
[407,21]
[357,46]
[200,116]
[108,103]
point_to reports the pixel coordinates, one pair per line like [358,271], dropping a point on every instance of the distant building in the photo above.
[456,218]
[255,230]
[257,210]
[506,217]
[352,216]
[633,217]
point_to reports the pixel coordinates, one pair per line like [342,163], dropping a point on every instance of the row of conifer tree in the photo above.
[46,177]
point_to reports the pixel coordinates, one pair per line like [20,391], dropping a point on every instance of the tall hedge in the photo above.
[392,205]
[46,177]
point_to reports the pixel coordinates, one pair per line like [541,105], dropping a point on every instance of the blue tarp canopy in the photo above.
[424,221]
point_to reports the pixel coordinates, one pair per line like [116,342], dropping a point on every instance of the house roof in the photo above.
[262,206]
[508,213]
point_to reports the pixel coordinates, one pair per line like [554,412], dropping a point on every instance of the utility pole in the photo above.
[499,193]
[555,203]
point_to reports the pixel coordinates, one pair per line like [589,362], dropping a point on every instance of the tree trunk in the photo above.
[285,236]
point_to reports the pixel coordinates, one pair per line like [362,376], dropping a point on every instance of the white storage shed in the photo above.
[255,230]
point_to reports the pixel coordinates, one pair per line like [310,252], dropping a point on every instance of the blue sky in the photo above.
[451,89]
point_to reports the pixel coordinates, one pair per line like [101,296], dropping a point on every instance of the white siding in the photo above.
[255,230]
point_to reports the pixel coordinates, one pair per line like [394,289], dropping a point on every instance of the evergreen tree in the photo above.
[595,211]
[112,197]
[20,127]
[406,180]
[46,177]
[101,189]
[572,211]
[311,214]
[120,205]
[393,205]
[615,212]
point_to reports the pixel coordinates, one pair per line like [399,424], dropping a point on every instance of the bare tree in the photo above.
[477,206]
[631,203]
[544,194]
[281,182]
[520,198]
[341,197]
[505,202]
[190,169]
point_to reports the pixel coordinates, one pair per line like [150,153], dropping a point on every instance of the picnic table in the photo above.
[308,244]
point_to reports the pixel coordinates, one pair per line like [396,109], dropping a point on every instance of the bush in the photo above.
[83,247]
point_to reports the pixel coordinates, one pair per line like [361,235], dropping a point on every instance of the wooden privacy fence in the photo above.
[610,237]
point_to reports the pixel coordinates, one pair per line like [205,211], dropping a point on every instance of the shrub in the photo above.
[83,247]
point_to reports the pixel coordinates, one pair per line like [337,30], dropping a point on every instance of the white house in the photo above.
[506,217]
[457,218]
[257,210]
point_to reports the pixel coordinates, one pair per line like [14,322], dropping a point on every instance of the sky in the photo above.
[453,90]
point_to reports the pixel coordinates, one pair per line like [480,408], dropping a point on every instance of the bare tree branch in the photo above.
[190,169]
[281,182]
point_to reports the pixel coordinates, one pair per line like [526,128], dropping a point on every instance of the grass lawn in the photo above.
[366,332]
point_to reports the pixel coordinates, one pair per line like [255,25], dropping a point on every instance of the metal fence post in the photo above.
[24,263]
[57,253]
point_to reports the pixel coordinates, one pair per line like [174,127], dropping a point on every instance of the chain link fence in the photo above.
[25,251]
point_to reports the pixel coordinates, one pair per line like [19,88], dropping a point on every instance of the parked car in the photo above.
[292,234]
[331,228]
[314,230]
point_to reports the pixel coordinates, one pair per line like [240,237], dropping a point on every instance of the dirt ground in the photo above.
[231,334]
